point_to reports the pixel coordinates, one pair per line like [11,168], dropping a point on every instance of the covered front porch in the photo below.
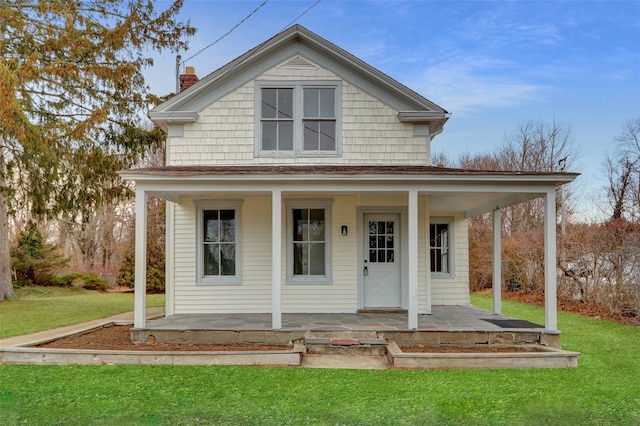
[420,193]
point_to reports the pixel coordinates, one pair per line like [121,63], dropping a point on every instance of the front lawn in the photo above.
[604,389]
[41,308]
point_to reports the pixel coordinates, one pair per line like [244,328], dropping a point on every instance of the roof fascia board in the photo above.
[401,179]
[420,116]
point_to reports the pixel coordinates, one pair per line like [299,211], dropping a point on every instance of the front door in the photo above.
[381,270]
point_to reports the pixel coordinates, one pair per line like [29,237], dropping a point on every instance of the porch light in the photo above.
[345,230]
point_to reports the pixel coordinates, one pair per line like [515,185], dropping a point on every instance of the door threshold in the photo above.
[382,311]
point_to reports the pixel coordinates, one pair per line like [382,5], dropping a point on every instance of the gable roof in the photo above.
[297,40]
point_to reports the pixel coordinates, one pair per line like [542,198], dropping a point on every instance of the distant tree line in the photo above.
[598,263]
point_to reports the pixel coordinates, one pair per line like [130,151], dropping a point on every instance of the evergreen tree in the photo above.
[71,97]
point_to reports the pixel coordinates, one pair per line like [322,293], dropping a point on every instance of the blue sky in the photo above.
[492,64]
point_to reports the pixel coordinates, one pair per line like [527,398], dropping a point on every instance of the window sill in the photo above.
[235,281]
[303,155]
[442,276]
[309,281]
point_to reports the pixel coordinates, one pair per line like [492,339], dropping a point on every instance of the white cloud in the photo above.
[469,84]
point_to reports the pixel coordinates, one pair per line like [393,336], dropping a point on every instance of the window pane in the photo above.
[439,240]
[227,226]
[381,256]
[372,256]
[269,103]
[269,135]
[390,257]
[300,225]
[373,228]
[211,259]
[316,257]
[311,129]
[327,136]
[300,259]
[435,264]
[285,135]
[210,219]
[316,225]
[228,259]
[381,241]
[389,241]
[311,102]
[372,241]
[390,227]
[327,102]
[285,103]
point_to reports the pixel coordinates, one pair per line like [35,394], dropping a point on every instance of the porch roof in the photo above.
[405,170]
[469,191]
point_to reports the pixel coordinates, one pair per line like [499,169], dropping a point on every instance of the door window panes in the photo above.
[381,241]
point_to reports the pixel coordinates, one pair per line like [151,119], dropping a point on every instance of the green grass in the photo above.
[603,390]
[41,308]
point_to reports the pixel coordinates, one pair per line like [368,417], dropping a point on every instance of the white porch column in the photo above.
[140,287]
[550,269]
[276,259]
[497,262]
[169,260]
[413,260]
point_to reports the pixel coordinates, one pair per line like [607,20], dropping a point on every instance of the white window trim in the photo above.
[450,221]
[298,131]
[309,204]
[202,205]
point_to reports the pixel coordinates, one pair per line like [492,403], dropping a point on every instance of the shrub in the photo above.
[86,281]
[34,260]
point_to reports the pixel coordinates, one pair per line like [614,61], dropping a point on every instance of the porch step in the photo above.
[346,346]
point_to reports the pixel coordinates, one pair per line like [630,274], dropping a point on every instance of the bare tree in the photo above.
[622,168]
[535,146]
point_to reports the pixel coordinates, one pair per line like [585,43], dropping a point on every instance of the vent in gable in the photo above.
[297,62]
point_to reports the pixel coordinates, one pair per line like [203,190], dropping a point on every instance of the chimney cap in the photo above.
[190,71]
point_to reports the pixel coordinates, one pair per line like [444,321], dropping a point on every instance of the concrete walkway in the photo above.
[69,330]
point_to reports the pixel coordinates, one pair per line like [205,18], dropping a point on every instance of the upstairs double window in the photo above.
[298,120]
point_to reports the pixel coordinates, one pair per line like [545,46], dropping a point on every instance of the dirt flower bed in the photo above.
[468,349]
[117,338]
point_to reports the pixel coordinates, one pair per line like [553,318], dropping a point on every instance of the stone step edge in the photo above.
[345,342]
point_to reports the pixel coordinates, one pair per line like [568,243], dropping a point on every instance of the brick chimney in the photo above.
[188,79]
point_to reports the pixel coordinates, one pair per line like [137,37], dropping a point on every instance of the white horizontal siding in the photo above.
[341,295]
[254,293]
[455,290]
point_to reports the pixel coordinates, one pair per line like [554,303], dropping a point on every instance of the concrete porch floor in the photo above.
[447,325]
[443,318]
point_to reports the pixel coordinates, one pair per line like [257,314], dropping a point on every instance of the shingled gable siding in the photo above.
[371,132]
